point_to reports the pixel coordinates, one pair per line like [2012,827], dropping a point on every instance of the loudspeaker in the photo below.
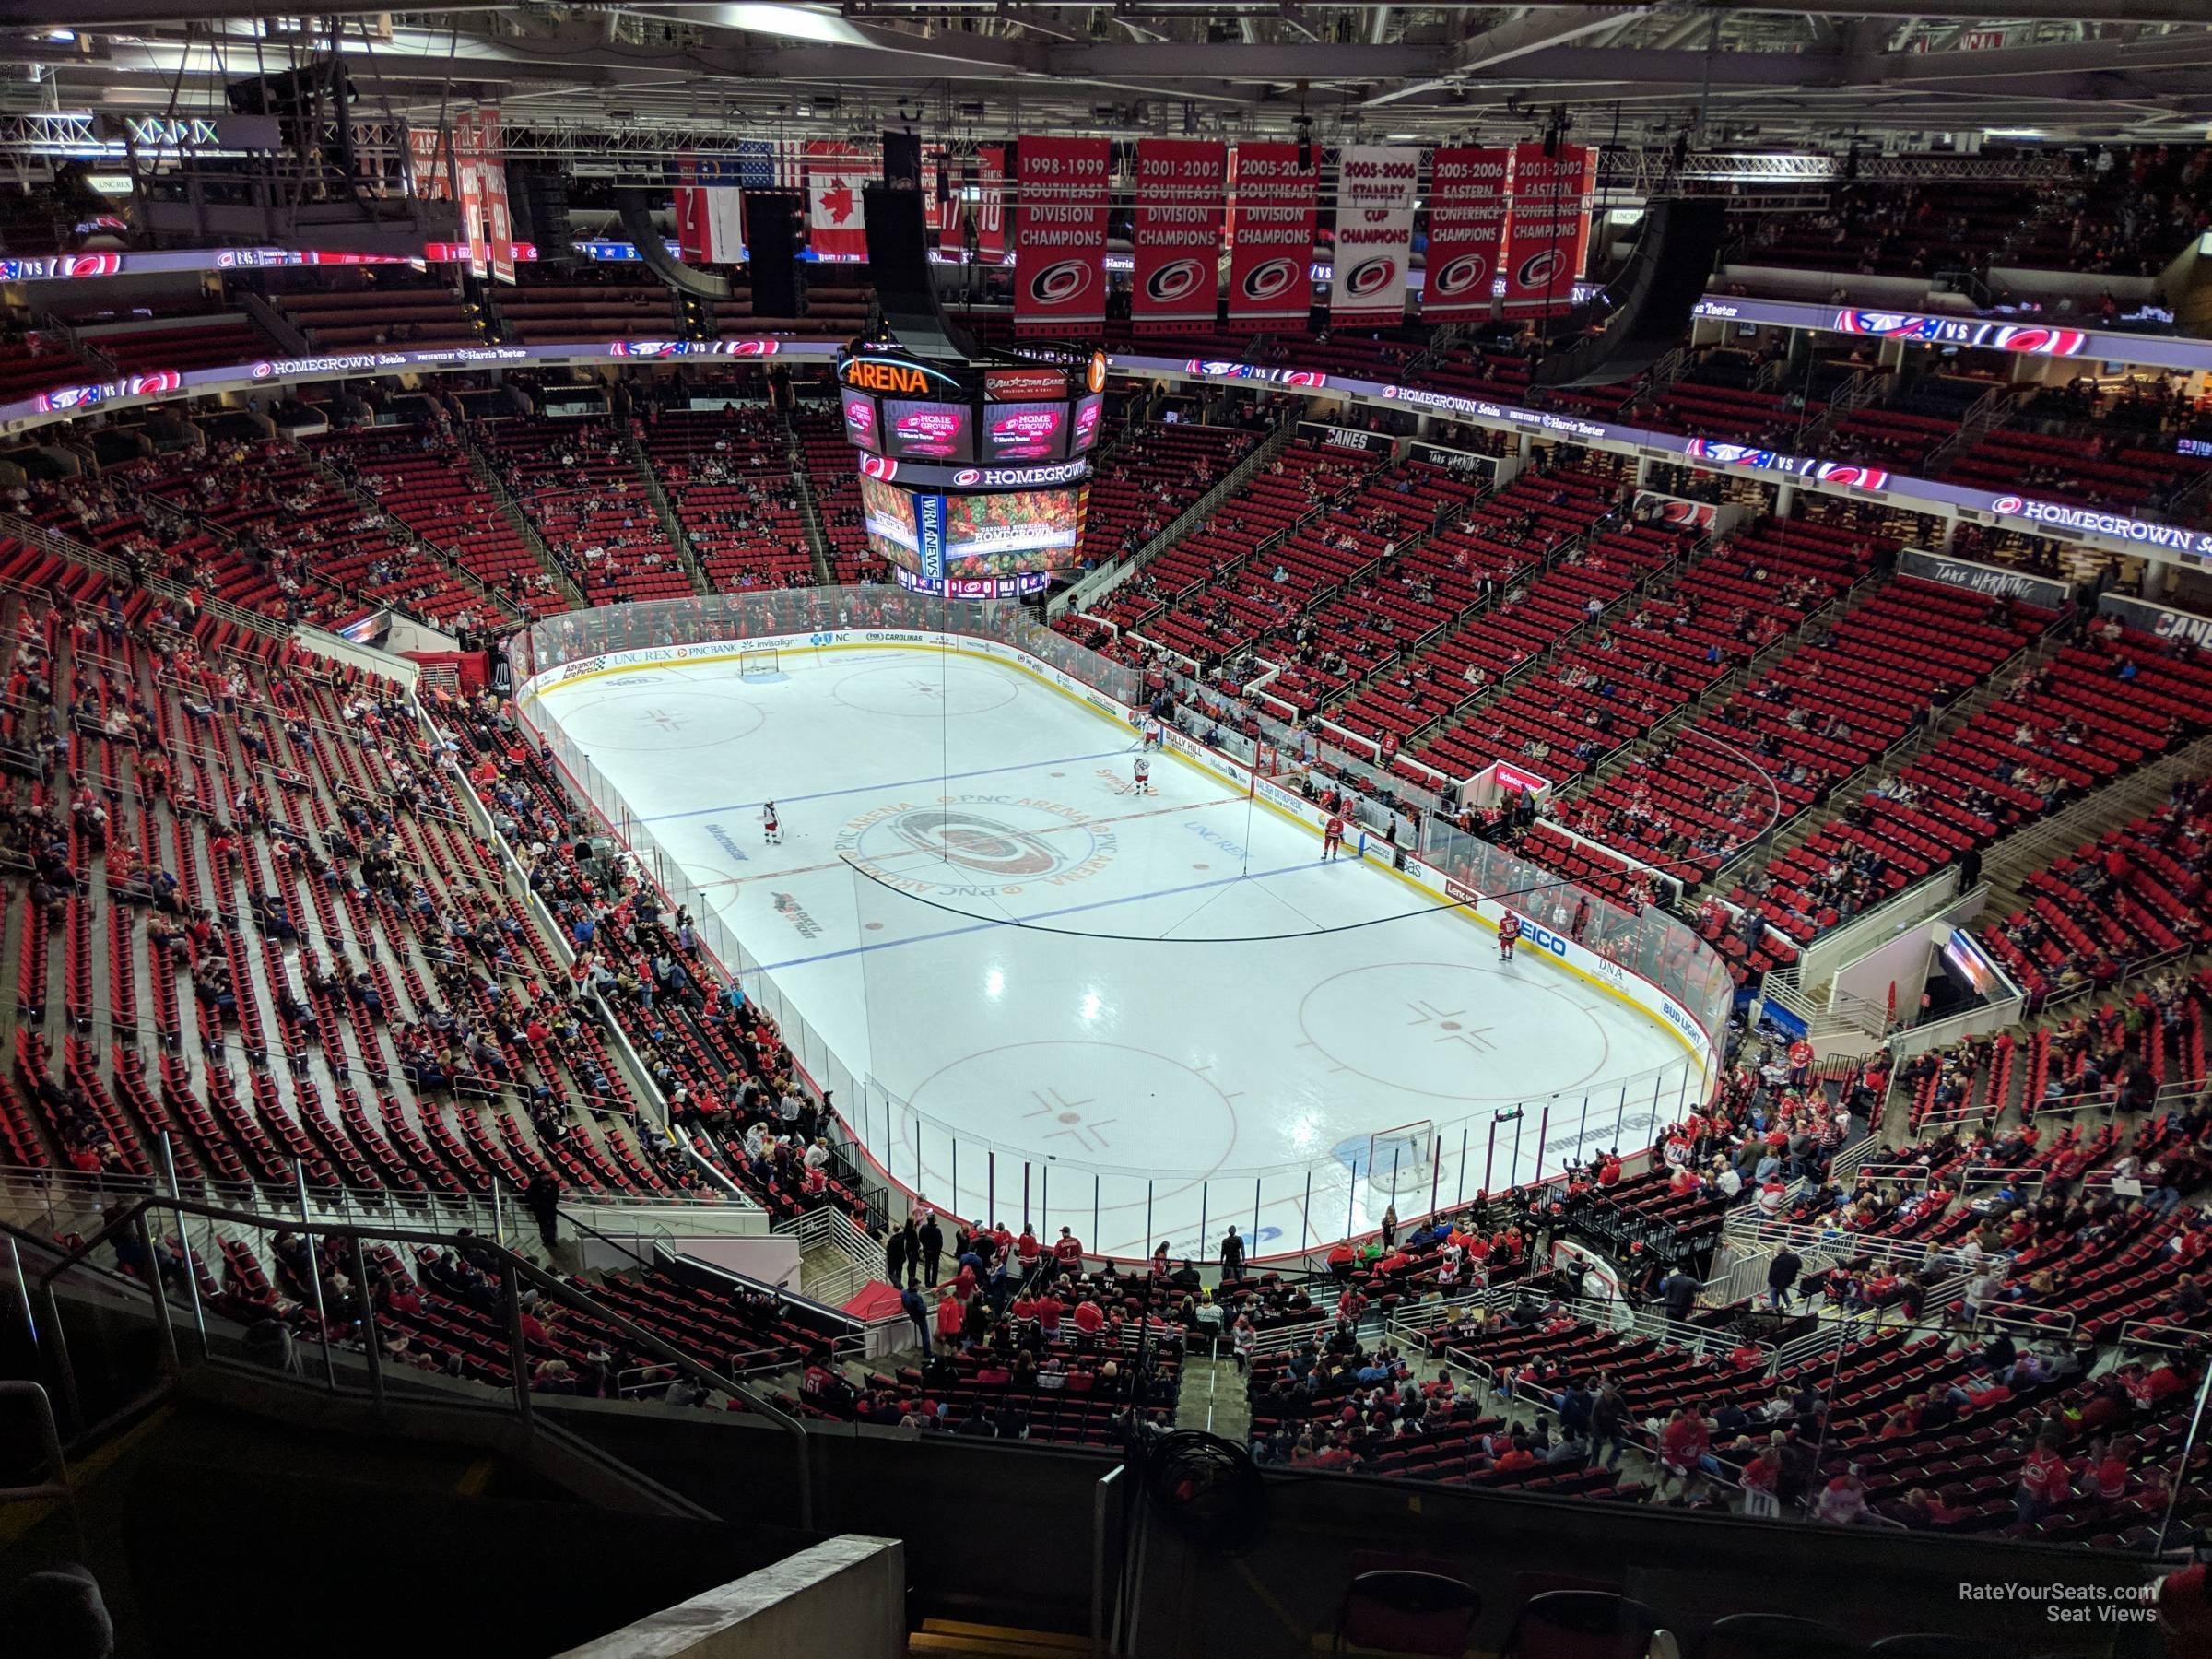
[902,159]
[539,206]
[772,247]
[1656,291]
[898,266]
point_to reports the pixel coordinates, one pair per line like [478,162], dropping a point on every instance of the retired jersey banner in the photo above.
[491,159]
[939,210]
[1182,184]
[1467,231]
[990,204]
[1376,188]
[708,211]
[1271,236]
[467,173]
[1548,226]
[1060,258]
[836,175]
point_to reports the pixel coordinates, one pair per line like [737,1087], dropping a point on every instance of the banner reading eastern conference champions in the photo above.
[1060,234]
[1466,228]
[1548,230]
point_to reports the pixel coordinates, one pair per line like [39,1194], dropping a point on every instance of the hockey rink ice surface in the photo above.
[1204,1031]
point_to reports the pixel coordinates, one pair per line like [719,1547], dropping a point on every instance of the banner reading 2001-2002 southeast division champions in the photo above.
[1180,184]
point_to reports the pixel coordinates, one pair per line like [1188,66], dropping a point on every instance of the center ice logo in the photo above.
[977,845]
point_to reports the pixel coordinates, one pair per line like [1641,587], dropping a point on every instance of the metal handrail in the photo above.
[514,1271]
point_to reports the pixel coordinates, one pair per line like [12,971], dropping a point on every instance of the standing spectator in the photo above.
[916,1309]
[894,1258]
[932,1238]
[1680,1293]
[1232,1256]
[1782,1275]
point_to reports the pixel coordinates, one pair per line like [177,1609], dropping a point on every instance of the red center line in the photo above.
[1052,829]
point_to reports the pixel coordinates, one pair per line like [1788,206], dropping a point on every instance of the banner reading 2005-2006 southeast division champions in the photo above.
[1375,191]
[1060,247]
[1180,184]
[1271,235]
[1466,228]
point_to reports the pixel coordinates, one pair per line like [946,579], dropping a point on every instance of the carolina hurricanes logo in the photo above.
[878,467]
[1060,284]
[1178,279]
[752,347]
[1861,477]
[262,371]
[1304,377]
[93,265]
[2042,342]
[1539,269]
[2006,504]
[975,842]
[148,385]
[1461,274]
[967,475]
[1270,279]
[1371,276]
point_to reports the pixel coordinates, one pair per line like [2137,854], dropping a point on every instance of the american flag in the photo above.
[771,164]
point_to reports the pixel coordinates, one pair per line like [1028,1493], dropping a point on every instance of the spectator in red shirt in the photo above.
[2045,1480]
[949,1315]
[1067,1252]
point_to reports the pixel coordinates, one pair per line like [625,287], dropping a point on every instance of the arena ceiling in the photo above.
[1743,74]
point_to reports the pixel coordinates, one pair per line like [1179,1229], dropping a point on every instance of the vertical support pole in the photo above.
[1044,1204]
[1436,1167]
[1147,1213]
[1489,1158]
[314,1272]
[1095,1212]
[517,1355]
[1255,1212]
[1543,1134]
[1025,1191]
[192,1277]
[990,1190]
[371,1344]
[1621,1116]
[1459,1193]
[1206,1193]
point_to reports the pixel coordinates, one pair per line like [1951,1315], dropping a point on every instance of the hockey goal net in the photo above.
[1401,1160]
[753,663]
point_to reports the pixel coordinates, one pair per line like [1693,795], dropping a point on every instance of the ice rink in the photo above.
[1141,1016]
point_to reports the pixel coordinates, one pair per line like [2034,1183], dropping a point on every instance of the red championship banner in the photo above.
[1060,262]
[1271,236]
[990,204]
[940,208]
[836,175]
[1376,186]
[1467,231]
[467,171]
[491,160]
[1182,184]
[428,152]
[1547,228]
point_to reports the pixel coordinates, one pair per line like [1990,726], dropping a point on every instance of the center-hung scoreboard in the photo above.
[974,476]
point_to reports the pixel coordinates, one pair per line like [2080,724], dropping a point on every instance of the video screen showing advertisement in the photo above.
[928,431]
[1088,413]
[860,421]
[1013,534]
[1025,431]
[888,514]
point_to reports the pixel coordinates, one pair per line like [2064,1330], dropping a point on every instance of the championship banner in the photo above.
[1467,231]
[940,210]
[836,175]
[1181,187]
[1271,236]
[469,180]
[1060,260]
[1376,187]
[990,204]
[1547,228]
[429,155]
[491,161]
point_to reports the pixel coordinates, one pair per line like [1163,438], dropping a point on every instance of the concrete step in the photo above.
[1213,1397]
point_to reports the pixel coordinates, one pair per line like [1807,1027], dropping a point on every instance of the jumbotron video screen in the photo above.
[973,547]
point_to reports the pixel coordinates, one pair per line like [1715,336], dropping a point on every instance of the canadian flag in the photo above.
[836,175]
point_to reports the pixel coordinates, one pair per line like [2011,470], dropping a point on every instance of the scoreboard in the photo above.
[974,479]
